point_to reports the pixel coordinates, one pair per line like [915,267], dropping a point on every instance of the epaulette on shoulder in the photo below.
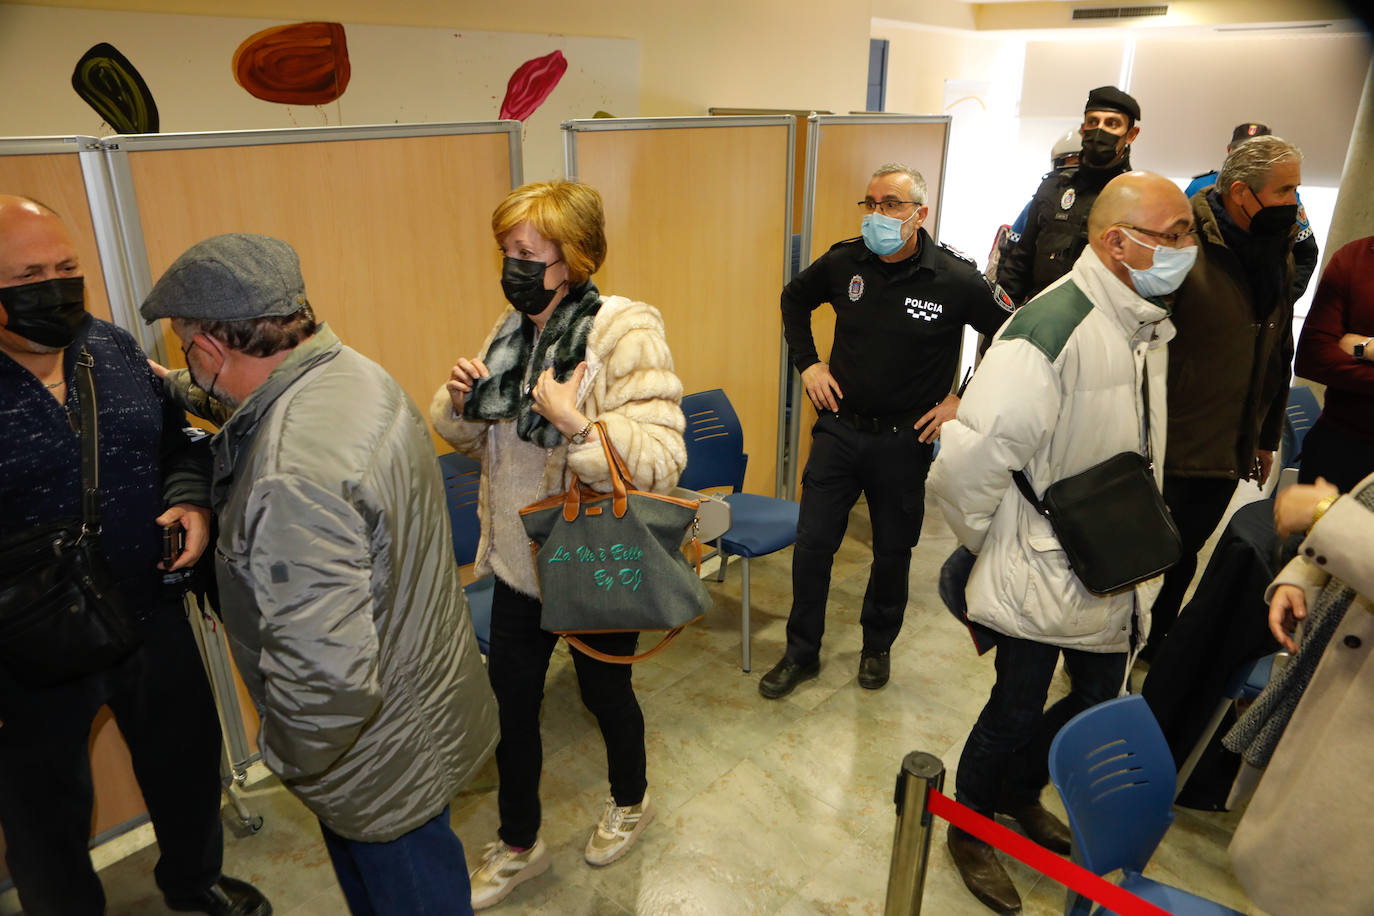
[857,238]
[957,253]
[1204,174]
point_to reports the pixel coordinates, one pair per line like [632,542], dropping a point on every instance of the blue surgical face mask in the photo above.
[1167,270]
[883,234]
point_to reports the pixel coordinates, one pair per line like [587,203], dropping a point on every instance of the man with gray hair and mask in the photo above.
[901,302]
[337,583]
[1229,367]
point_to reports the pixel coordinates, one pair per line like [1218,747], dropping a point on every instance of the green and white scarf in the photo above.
[515,361]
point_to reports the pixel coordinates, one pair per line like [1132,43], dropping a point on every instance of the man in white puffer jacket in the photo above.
[1058,392]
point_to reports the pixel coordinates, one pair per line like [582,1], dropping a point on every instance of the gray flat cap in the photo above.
[229,278]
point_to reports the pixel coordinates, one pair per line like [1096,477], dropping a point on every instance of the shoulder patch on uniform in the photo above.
[1049,320]
[1000,295]
[957,253]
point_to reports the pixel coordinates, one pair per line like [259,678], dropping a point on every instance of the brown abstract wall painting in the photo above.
[105,80]
[305,63]
[531,84]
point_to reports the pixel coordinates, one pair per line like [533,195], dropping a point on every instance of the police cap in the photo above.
[1110,98]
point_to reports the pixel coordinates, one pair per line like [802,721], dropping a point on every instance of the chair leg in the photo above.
[724,558]
[1203,740]
[744,614]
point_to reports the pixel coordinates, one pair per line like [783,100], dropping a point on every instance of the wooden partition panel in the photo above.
[54,177]
[698,225]
[842,154]
[393,229]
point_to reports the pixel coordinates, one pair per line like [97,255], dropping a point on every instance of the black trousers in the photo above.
[890,469]
[1341,458]
[162,704]
[1197,505]
[517,666]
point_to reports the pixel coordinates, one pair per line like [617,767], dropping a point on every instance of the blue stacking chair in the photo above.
[462,476]
[1301,413]
[759,525]
[1115,775]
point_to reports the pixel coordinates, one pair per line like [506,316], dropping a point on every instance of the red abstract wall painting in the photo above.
[305,63]
[531,84]
[106,81]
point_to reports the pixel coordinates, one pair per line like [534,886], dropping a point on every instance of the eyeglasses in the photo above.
[889,207]
[1172,239]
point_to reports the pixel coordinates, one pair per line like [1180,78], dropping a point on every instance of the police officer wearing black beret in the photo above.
[901,303]
[1057,227]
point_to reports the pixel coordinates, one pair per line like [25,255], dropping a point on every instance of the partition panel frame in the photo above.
[815,133]
[572,128]
[130,225]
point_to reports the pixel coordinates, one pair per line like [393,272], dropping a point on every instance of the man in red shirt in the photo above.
[1337,349]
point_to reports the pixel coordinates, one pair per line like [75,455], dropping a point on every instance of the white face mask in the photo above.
[1167,269]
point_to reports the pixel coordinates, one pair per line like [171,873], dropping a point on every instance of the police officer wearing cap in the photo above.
[901,302]
[1305,252]
[1056,230]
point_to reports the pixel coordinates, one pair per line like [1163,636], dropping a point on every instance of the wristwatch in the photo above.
[1360,348]
[580,436]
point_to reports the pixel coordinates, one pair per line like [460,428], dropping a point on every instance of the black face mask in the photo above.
[523,283]
[1273,221]
[48,312]
[1099,148]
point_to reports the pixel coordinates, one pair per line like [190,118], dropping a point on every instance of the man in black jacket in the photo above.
[159,694]
[1056,229]
[901,303]
[1229,366]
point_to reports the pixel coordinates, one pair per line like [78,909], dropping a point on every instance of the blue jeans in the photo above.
[420,873]
[1005,762]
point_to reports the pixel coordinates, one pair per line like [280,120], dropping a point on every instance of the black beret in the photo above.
[1247,130]
[1110,98]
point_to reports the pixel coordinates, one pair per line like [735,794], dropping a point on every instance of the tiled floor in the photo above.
[765,807]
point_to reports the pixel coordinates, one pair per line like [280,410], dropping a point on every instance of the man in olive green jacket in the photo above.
[1230,364]
[337,581]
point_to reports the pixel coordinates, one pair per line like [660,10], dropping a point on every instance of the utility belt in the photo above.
[892,422]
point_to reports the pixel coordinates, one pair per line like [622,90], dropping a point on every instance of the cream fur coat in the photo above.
[630,386]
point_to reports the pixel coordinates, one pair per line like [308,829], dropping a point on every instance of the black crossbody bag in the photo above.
[1111,519]
[61,616]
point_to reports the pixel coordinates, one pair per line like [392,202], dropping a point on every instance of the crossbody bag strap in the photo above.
[90,445]
[1023,484]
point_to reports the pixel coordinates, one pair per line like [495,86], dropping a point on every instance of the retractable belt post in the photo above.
[906,879]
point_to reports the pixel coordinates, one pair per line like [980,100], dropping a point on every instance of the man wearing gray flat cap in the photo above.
[337,583]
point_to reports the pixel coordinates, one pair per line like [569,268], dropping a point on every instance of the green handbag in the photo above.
[613,562]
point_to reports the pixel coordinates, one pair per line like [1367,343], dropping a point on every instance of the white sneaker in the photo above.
[617,830]
[503,868]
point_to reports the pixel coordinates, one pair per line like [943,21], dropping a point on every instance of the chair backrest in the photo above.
[1302,412]
[715,443]
[1115,775]
[462,476]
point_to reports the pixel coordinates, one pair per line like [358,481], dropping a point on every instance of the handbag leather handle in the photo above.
[585,649]
[620,474]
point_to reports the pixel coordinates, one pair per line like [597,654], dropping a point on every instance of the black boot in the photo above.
[785,676]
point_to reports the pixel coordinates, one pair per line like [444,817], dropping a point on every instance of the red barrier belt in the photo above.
[1075,877]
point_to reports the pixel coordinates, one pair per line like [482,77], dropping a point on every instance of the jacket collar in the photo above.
[1138,317]
[320,348]
[925,255]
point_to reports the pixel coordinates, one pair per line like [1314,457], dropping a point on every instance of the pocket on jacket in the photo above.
[1056,603]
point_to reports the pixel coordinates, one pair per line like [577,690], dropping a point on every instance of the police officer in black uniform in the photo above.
[1057,228]
[901,303]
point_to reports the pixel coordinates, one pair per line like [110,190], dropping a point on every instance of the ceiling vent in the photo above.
[1120,12]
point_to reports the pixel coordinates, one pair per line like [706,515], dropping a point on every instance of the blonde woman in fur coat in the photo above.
[562,357]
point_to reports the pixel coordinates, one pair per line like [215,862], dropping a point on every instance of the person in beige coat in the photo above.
[1303,844]
[561,359]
